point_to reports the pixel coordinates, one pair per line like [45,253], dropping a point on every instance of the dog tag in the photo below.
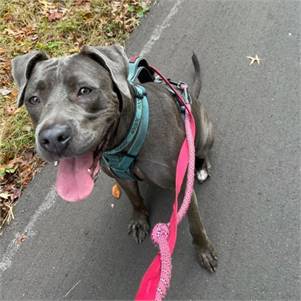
[116,191]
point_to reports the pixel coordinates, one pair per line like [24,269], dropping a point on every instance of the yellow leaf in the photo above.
[116,191]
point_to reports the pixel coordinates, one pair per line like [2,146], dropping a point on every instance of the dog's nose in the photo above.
[55,139]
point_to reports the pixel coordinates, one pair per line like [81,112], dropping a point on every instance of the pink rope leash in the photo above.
[161,231]
[160,237]
[191,165]
[156,281]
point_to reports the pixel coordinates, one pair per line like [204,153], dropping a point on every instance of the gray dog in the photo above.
[82,103]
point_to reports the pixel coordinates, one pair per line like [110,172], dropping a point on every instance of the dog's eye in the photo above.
[84,91]
[34,100]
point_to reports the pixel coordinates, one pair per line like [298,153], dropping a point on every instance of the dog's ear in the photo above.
[22,67]
[114,59]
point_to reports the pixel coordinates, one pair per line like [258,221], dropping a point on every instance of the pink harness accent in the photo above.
[156,280]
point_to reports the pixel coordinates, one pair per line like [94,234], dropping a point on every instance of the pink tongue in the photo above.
[74,182]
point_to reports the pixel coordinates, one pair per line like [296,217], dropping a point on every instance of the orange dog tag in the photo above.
[116,191]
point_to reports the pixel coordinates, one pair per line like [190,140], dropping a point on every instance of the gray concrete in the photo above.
[251,205]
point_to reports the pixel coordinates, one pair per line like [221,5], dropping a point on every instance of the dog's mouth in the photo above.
[76,175]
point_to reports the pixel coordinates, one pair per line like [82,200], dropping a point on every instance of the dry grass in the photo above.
[56,27]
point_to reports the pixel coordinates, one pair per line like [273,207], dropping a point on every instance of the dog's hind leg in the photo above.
[203,169]
[139,224]
[204,139]
[204,143]
[206,253]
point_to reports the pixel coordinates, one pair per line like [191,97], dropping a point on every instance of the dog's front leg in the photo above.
[206,253]
[139,224]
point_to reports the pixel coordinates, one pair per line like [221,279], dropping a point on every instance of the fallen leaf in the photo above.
[74,50]
[7,170]
[81,2]
[9,214]
[21,239]
[14,93]
[34,37]
[4,195]
[54,15]
[5,91]
[253,60]
[46,6]
[28,154]
[10,110]
[116,191]
[27,128]
[16,194]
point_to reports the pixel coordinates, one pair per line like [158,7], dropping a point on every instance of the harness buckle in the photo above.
[139,91]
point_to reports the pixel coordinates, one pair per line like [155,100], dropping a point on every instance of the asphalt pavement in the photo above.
[251,205]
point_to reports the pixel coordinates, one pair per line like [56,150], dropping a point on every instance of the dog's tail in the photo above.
[196,85]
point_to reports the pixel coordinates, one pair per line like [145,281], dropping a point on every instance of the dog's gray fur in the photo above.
[106,113]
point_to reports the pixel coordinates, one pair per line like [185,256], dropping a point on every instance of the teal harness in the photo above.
[120,160]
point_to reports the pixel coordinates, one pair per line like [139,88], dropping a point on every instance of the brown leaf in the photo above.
[16,194]
[28,155]
[54,15]
[14,93]
[22,237]
[10,110]
[81,2]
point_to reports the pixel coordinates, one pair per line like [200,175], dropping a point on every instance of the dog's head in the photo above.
[74,103]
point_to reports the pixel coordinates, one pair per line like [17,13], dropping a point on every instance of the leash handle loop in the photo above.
[160,235]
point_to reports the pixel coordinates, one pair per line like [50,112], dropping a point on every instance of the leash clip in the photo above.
[186,96]
[184,87]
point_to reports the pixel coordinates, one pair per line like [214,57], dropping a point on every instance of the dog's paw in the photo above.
[207,257]
[203,170]
[202,175]
[139,228]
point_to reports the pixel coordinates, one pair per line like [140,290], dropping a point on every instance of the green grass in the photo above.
[17,135]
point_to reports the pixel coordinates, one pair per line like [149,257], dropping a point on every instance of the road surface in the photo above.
[251,205]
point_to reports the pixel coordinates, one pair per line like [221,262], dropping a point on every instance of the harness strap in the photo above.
[121,159]
[140,70]
[132,132]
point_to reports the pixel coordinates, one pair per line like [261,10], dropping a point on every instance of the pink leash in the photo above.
[156,280]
